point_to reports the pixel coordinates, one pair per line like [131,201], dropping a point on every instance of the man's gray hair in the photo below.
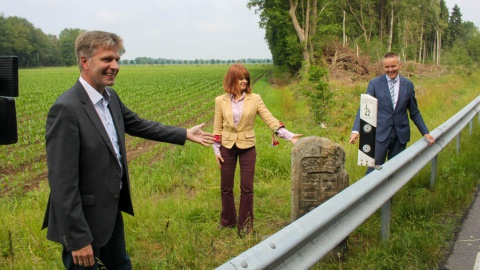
[88,42]
[392,55]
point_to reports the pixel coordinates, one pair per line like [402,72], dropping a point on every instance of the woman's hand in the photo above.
[295,137]
[219,161]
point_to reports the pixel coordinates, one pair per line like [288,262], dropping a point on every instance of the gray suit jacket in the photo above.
[387,118]
[83,171]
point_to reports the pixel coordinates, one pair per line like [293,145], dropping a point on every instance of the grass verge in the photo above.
[177,197]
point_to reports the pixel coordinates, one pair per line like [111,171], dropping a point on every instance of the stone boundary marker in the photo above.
[318,174]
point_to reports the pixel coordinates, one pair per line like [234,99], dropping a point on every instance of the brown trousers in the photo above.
[246,158]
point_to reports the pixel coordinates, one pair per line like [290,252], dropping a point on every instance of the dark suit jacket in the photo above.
[83,172]
[387,118]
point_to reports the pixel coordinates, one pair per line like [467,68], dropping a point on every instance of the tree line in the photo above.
[298,31]
[311,38]
[166,61]
[34,48]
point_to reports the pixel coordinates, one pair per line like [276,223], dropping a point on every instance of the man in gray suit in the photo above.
[86,157]
[396,96]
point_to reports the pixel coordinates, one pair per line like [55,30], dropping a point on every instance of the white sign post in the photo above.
[368,128]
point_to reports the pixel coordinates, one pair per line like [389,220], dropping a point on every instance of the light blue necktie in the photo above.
[392,92]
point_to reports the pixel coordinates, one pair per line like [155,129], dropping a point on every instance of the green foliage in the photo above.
[458,56]
[17,39]
[279,32]
[473,48]
[66,46]
[454,25]
[376,48]
[316,89]
[33,47]
[418,29]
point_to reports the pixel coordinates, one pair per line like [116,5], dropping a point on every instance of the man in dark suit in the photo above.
[396,96]
[86,157]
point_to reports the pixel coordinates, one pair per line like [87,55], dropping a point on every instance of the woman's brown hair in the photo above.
[234,74]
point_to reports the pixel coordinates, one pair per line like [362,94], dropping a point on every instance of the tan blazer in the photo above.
[243,135]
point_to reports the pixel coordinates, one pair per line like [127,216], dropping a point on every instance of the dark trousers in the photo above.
[111,256]
[246,158]
[387,149]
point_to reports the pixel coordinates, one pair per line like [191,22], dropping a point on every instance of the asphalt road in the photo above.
[466,249]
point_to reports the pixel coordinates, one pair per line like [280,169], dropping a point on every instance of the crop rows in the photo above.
[173,95]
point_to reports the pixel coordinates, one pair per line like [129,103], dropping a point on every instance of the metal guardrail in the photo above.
[307,240]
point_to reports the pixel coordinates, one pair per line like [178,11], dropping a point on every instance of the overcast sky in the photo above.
[469,9]
[175,29]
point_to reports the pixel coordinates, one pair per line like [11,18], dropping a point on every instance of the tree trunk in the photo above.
[421,44]
[301,33]
[390,39]
[434,49]
[344,34]
[405,40]
[424,52]
[439,46]
[360,20]
[313,28]
[382,6]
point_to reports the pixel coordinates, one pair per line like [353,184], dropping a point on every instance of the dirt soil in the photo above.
[347,67]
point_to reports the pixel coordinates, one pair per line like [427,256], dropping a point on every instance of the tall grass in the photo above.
[176,193]
[424,219]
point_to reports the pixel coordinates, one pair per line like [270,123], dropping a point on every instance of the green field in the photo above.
[175,189]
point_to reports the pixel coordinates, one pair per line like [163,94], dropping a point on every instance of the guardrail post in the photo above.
[433,171]
[386,214]
[470,127]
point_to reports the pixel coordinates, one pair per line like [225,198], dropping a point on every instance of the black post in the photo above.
[8,90]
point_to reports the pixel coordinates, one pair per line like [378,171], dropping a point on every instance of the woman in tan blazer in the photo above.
[235,113]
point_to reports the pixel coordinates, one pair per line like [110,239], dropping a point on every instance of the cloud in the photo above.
[178,29]
[106,16]
[209,27]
